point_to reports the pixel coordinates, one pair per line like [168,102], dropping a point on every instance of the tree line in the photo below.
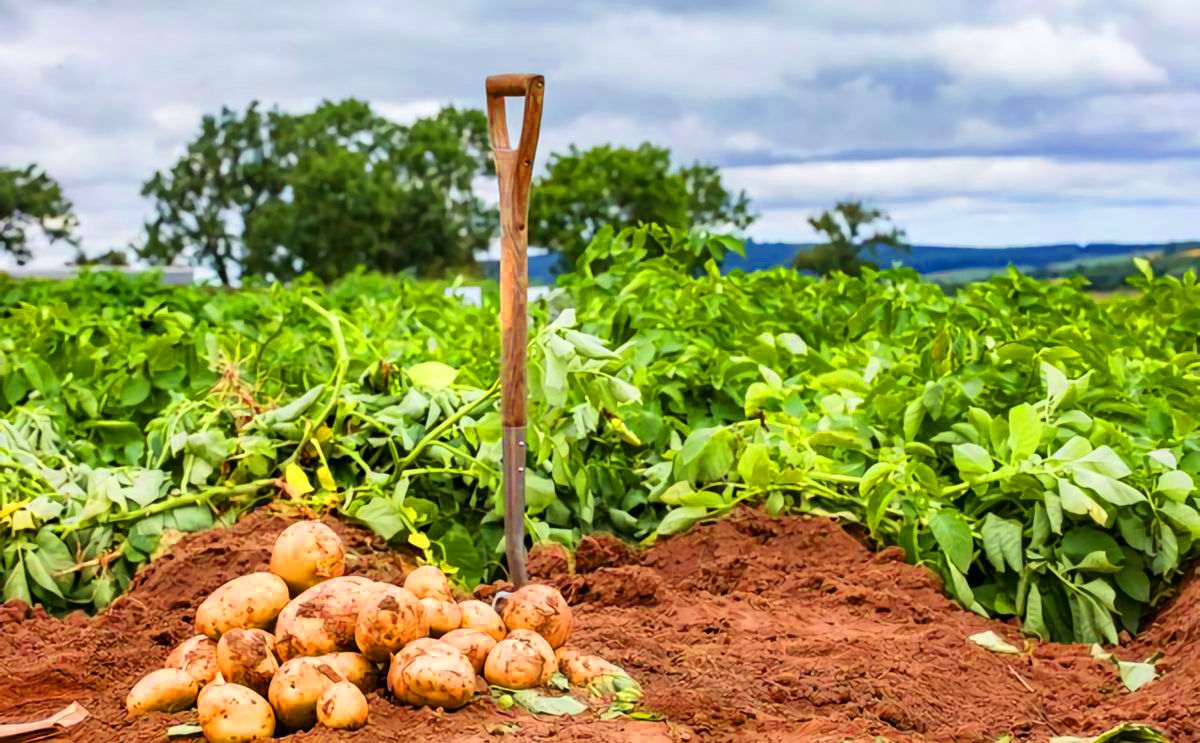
[273,194]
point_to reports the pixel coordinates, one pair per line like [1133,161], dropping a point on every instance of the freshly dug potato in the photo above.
[164,690]
[342,706]
[296,688]
[247,657]
[356,668]
[431,673]
[249,601]
[217,681]
[307,553]
[321,620]
[581,669]
[429,582]
[522,660]
[478,615]
[443,616]
[197,655]
[539,608]
[473,643]
[230,713]
[389,618]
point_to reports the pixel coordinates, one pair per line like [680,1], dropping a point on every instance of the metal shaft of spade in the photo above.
[514,171]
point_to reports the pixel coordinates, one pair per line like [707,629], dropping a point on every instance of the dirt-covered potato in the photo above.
[428,582]
[342,706]
[230,713]
[389,618]
[581,669]
[431,673]
[321,620]
[473,643]
[247,602]
[478,615]
[247,657]
[356,668]
[539,608]
[443,616]
[307,553]
[522,660]
[216,681]
[296,688]
[197,655]
[164,690]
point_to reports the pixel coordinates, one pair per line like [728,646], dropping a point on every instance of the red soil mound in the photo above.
[753,628]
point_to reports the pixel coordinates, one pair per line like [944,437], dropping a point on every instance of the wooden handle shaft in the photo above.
[514,170]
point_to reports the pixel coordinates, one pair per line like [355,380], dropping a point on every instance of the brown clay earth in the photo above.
[753,628]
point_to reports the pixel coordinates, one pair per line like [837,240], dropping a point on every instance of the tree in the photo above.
[31,199]
[278,195]
[584,191]
[845,229]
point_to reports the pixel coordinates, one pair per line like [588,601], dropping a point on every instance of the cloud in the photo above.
[1075,114]
[1033,53]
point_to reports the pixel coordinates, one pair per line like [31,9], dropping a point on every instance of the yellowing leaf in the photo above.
[325,477]
[297,481]
[418,540]
[433,375]
[324,433]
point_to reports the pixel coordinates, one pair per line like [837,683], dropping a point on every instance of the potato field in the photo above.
[785,508]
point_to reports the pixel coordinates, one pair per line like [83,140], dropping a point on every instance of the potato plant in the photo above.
[1035,447]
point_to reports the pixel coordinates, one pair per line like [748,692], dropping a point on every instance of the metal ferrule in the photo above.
[513,450]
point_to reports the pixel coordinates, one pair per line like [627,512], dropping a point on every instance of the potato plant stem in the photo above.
[448,423]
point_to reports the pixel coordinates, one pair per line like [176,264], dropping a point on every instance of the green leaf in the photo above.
[135,390]
[1112,490]
[679,519]
[1183,515]
[588,345]
[1176,485]
[543,704]
[1024,431]
[1074,500]
[432,375]
[1034,624]
[972,460]
[382,517]
[1002,542]
[16,588]
[1134,582]
[41,574]
[954,537]
[755,466]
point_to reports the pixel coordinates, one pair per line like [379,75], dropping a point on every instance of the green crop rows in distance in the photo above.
[1034,447]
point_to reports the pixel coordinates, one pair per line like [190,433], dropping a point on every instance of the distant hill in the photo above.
[939,258]
[926,259]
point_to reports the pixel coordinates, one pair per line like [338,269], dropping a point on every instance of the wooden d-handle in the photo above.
[514,170]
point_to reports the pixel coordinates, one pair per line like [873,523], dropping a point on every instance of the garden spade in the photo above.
[514,170]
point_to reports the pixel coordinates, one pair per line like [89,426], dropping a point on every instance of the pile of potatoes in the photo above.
[303,644]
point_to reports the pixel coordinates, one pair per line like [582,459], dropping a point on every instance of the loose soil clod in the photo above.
[753,628]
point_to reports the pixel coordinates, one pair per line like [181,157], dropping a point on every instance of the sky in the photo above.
[972,122]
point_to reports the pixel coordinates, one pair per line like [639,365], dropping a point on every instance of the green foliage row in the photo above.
[1036,448]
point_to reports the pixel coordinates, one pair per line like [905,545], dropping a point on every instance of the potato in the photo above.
[539,608]
[581,669]
[442,616]
[342,705]
[478,615]
[296,688]
[388,619]
[197,655]
[230,713]
[247,657]
[473,643]
[307,553]
[217,681]
[522,660]
[431,673]
[164,690]
[356,668]
[429,582]
[249,601]
[321,620]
